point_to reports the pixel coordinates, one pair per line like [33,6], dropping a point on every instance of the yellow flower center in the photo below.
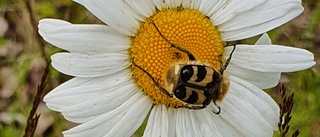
[186,28]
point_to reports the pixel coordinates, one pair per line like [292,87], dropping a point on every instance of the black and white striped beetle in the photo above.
[194,83]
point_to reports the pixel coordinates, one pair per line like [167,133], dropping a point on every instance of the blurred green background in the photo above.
[22,64]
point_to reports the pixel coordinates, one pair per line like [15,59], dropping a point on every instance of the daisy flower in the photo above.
[127,69]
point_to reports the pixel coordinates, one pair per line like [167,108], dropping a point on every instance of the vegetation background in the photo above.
[23,58]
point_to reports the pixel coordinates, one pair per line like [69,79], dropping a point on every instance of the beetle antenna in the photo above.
[154,81]
[191,57]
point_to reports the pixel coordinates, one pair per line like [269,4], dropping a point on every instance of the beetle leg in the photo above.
[191,57]
[217,112]
[228,60]
[154,81]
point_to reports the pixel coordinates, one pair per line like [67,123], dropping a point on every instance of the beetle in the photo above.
[192,82]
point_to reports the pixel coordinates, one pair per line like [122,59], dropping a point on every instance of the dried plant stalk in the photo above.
[33,117]
[286,106]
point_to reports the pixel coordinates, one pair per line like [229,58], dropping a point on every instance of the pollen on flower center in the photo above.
[184,27]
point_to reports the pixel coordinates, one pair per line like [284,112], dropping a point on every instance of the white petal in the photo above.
[209,7]
[81,65]
[164,4]
[270,58]
[208,125]
[183,124]
[113,117]
[143,7]
[194,122]
[256,20]
[139,17]
[241,113]
[70,88]
[262,80]
[84,95]
[191,4]
[148,132]
[219,5]
[47,24]
[134,118]
[260,100]
[172,121]
[91,108]
[158,122]
[87,39]
[73,96]
[264,40]
[174,3]
[224,127]
[202,123]
[186,3]
[230,9]
[260,95]
[160,4]
[122,121]
[115,13]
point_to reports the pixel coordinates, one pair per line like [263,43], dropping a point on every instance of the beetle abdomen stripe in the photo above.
[201,73]
[193,98]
